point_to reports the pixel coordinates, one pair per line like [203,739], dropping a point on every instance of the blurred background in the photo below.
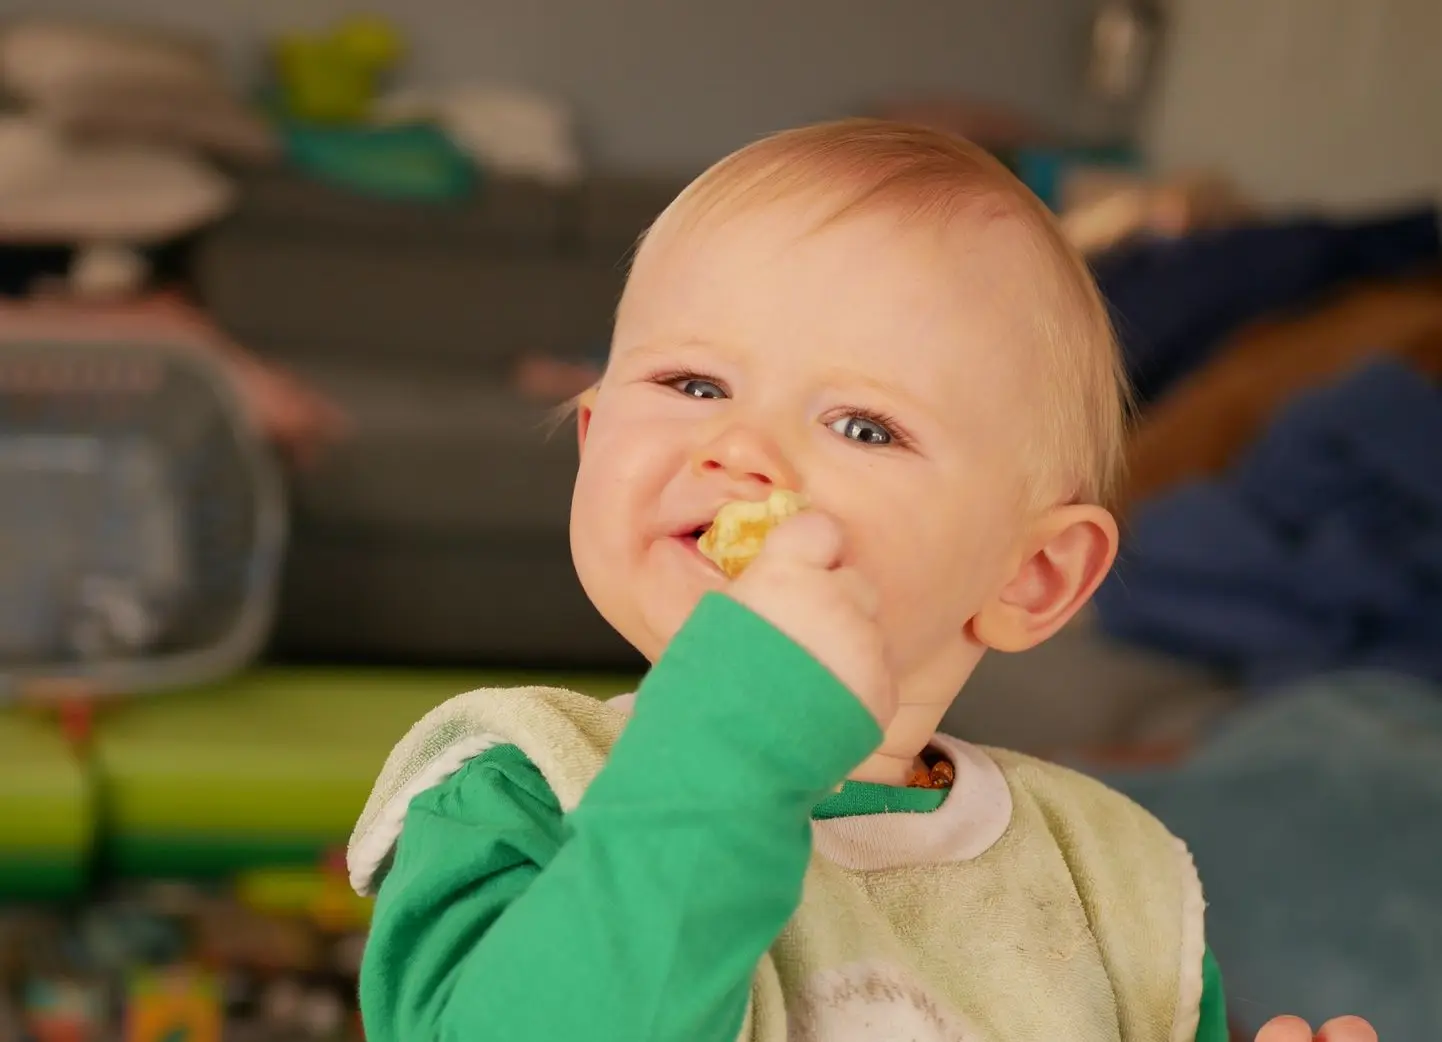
[289,293]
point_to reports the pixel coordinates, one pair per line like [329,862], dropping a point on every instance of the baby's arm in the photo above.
[641,916]
[1212,1017]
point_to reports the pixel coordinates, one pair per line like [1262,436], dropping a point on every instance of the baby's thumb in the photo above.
[811,539]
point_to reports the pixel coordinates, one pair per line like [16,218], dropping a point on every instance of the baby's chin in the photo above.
[649,611]
[649,598]
[661,617]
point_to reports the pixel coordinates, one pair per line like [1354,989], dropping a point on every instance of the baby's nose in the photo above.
[745,454]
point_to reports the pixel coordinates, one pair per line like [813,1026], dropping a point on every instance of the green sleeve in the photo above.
[1212,1025]
[640,916]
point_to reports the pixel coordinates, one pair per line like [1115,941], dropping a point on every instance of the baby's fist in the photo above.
[799,585]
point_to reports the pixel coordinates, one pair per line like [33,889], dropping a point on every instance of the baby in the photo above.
[771,842]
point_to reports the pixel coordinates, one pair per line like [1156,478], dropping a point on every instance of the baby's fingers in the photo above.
[1295,1029]
[1285,1029]
[811,539]
[1347,1029]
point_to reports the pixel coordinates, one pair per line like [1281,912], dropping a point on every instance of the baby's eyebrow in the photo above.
[841,377]
[679,345]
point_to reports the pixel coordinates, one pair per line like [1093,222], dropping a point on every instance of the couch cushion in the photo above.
[614,211]
[505,214]
[438,454]
[439,531]
[373,598]
[409,303]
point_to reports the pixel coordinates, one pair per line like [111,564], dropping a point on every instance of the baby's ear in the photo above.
[584,404]
[1066,558]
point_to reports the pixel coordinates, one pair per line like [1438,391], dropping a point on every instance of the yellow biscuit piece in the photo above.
[735,536]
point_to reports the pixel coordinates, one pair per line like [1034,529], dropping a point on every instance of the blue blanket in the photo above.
[1322,550]
[1315,817]
[1174,301]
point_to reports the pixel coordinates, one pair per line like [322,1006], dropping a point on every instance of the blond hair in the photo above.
[860,165]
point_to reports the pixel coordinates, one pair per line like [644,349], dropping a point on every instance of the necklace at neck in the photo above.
[934,772]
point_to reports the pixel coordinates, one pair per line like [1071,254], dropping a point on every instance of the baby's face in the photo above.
[874,368]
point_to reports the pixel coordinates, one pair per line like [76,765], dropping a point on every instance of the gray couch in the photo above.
[437,532]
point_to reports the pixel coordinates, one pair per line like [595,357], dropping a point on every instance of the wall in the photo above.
[1306,102]
[674,83]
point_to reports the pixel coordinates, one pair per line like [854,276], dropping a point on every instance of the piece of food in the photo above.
[735,536]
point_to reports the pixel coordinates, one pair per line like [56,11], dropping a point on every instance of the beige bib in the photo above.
[1035,905]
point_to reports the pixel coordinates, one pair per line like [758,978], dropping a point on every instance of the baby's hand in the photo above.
[799,585]
[1295,1029]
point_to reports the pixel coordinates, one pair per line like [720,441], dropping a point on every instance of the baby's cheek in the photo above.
[930,587]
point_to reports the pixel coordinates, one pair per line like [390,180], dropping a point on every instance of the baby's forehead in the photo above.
[938,313]
[809,257]
[810,205]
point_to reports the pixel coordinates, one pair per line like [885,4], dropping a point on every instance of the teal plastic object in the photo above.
[410,163]
[1044,169]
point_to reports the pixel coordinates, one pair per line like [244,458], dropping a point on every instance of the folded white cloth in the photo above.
[43,57]
[56,191]
[504,129]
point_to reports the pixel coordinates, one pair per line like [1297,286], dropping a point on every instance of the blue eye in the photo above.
[862,429]
[695,387]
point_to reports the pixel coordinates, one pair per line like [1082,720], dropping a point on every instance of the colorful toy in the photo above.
[115,937]
[187,963]
[174,1005]
[333,78]
[229,934]
[322,896]
[311,1008]
[324,101]
[64,1010]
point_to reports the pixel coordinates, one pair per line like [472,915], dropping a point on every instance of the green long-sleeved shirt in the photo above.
[640,917]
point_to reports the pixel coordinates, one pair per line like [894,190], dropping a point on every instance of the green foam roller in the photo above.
[271,768]
[47,811]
